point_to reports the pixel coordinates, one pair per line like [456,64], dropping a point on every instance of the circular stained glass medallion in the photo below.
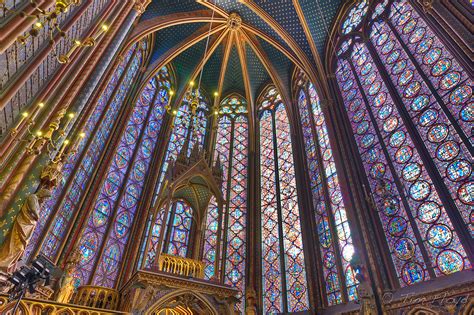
[437,133]
[412,89]
[88,247]
[429,117]
[417,35]
[450,80]
[405,77]
[366,68]
[374,88]
[397,139]
[432,56]
[412,272]
[420,190]
[387,48]
[410,26]
[403,18]
[403,154]
[385,111]
[447,151]
[399,66]
[122,224]
[367,140]
[411,172]
[450,261]
[429,212]
[379,100]
[374,154]
[461,94]
[467,113]
[112,183]
[354,105]
[121,157]
[131,134]
[397,226]
[419,102]
[459,170]
[390,124]
[393,57]
[348,252]
[390,206]
[440,67]
[377,170]
[424,45]
[101,212]
[362,127]
[439,235]
[466,193]
[404,248]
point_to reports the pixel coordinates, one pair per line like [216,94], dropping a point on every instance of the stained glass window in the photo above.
[336,251]
[59,211]
[231,149]
[180,131]
[408,102]
[284,276]
[107,227]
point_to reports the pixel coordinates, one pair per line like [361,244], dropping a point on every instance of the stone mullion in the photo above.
[86,201]
[317,290]
[281,254]
[255,218]
[381,271]
[168,226]
[122,189]
[329,210]
[78,162]
[395,174]
[77,166]
[437,15]
[30,164]
[438,182]
[144,207]
[226,213]
[428,83]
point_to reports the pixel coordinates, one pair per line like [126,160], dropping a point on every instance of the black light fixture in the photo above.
[27,278]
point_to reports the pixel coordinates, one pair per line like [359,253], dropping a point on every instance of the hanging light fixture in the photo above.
[49,21]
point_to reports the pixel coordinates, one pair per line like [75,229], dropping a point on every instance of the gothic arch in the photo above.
[163,302]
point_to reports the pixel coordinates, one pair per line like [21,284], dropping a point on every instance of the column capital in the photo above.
[140,5]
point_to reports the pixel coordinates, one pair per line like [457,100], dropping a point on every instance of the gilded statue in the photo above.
[66,283]
[25,222]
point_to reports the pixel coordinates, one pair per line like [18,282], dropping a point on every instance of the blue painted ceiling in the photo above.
[284,27]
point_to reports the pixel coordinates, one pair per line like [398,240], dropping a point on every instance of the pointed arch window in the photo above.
[228,228]
[107,227]
[407,100]
[335,240]
[284,285]
[181,130]
[59,211]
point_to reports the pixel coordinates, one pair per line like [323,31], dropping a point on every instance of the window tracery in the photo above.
[407,99]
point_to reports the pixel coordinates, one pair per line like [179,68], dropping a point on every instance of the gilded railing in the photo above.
[181,266]
[97,297]
[30,306]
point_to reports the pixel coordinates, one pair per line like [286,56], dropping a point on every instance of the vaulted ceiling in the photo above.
[252,42]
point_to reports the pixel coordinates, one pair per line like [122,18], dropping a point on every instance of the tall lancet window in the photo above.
[154,241]
[332,226]
[107,227]
[60,210]
[284,286]
[231,149]
[409,104]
